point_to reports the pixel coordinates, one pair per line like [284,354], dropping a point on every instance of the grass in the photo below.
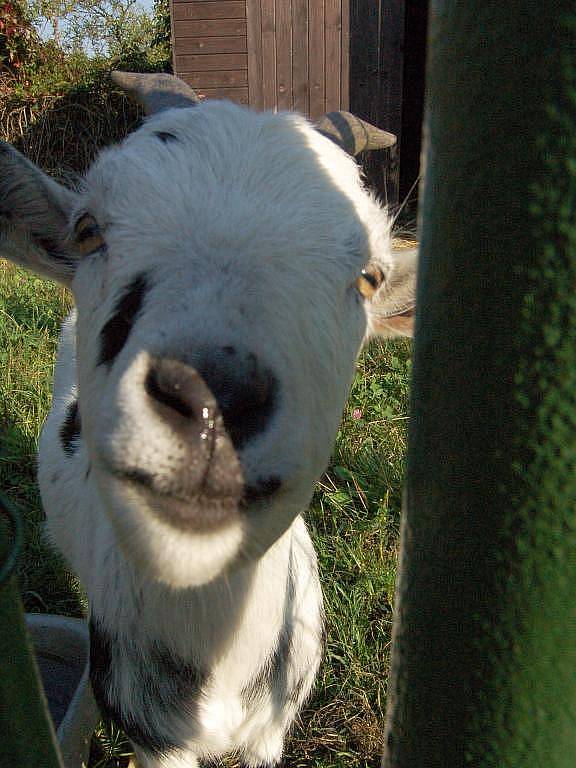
[354,520]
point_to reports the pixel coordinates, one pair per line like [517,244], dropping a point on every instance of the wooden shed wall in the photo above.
[315,56]
[210,49]
[271,54]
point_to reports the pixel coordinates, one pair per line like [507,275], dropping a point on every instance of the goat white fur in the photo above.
[238,238]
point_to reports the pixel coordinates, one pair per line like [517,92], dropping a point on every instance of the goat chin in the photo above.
[177,558]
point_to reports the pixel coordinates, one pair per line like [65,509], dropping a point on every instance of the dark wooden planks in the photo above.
[364,63]
[283,18]
[255,58]
[289,54]
[211,48]
[300,89]
[345,60]
[209,9]
[416,32]
[316,58]
[376,56]
[220,79]
[239,95]
[211,62]
[268,15]
[391,65]
[333,32]
[211,28]
[214,45]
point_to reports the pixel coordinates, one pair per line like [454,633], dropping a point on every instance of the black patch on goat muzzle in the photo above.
[246,392]
[114,334]
[71,429]
[161,684]
[262,489]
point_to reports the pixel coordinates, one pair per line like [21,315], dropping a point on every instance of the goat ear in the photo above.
[391,310]
[34,213]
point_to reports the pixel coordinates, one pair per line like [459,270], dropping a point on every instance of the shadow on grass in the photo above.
[46,585]
[31,314]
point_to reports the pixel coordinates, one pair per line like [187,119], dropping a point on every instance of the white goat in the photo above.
[226,267]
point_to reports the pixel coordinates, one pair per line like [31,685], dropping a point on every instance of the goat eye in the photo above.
[87,235]
[369,281]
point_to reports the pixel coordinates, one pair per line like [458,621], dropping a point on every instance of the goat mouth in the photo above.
[201,511]
[200,514]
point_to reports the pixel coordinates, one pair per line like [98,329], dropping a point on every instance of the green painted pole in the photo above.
[484,656]
[27,738]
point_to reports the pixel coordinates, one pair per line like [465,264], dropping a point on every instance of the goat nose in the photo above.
[223,382]
[245,390]
[207,466]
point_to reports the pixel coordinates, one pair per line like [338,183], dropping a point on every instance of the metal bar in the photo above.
[28,737]
[484,656]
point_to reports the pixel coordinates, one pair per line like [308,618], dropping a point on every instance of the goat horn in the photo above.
[352,134]
[155,91]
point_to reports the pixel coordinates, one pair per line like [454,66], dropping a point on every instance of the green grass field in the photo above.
[354,519]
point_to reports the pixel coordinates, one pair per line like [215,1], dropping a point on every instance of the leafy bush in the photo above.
[19,42]
[58,105]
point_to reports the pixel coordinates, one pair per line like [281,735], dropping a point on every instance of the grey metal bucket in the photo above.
[62,648]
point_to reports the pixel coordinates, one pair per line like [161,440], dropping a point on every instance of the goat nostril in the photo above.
[181,390]
[167,393]
[248,407]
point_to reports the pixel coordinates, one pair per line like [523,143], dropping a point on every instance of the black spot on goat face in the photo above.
[70,430]
[114,334]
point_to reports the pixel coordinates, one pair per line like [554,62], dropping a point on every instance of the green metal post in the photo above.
[484,657]
[27,737]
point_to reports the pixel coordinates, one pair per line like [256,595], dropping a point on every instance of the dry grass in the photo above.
[63,133]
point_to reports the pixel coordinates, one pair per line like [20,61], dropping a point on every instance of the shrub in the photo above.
[19,42]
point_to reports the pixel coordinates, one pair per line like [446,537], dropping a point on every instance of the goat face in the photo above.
[216,262]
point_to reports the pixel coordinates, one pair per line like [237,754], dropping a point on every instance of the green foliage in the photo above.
[112,28]
[162,23]
[19,42]
[30,315]
[57,103]
[109,29]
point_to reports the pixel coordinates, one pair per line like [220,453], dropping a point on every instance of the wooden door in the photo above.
[298,55]
[270,54]
[209,48]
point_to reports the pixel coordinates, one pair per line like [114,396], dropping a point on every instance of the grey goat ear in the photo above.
[34,213]
[352,134]
[155,91]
